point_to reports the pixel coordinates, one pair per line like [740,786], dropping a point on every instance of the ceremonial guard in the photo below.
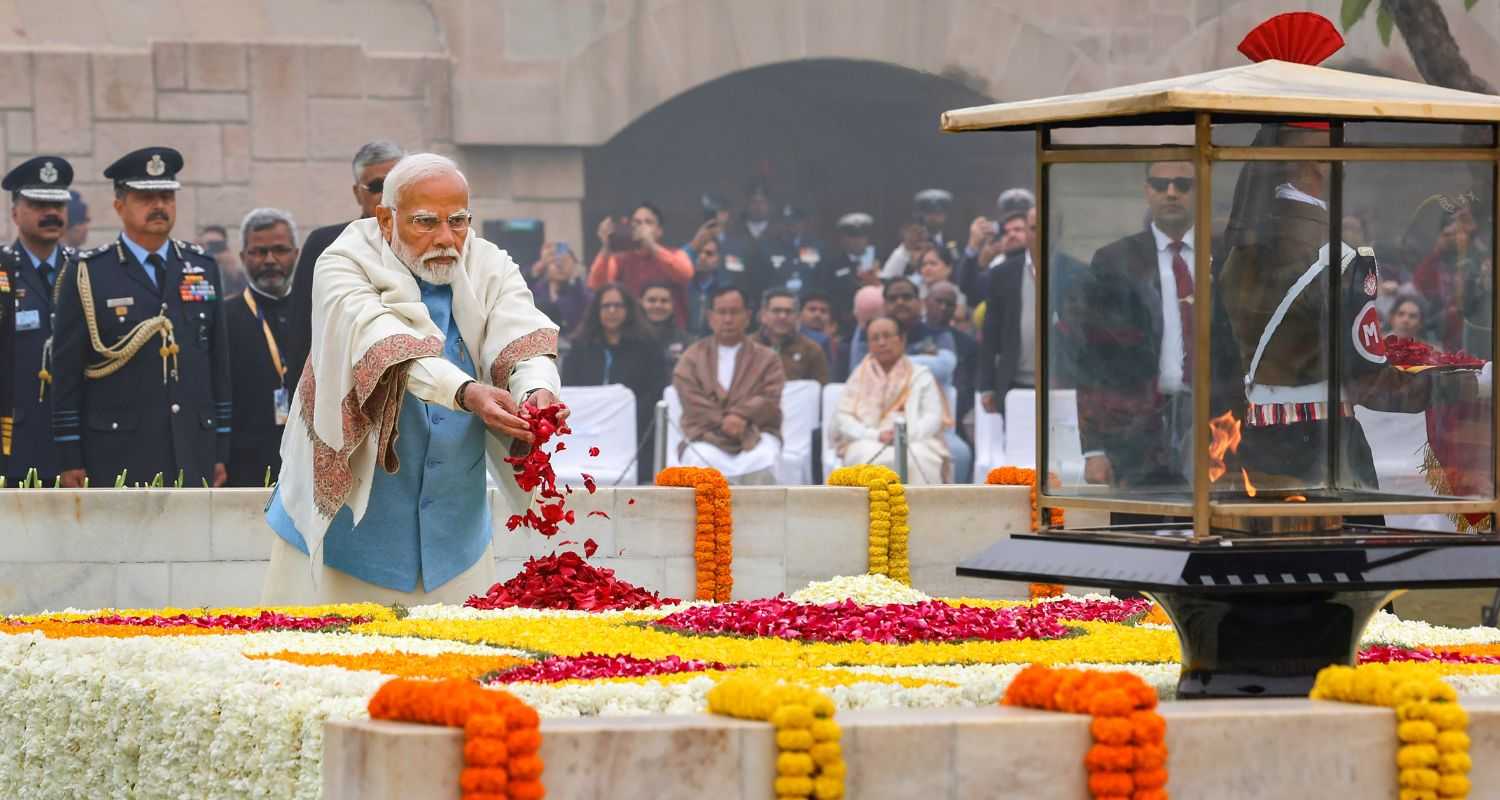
[140,359]
[7,364]
[39,208]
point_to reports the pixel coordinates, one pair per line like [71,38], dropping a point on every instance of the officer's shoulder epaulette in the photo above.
[85,255]
[191,247]
[69,252]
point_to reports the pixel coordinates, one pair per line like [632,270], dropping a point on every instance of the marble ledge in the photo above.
[1229,750]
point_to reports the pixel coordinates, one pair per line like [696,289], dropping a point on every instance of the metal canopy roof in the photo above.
[1277,88]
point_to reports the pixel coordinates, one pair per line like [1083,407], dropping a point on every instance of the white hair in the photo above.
[260,219]
[413,168]
[376,152]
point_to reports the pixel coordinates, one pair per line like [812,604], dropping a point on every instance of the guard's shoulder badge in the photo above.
[1366,251]
[69,252]
[86,255]
[191,246]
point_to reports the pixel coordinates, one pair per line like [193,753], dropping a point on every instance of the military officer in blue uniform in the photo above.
[39,208]
[7,367]
[140,356]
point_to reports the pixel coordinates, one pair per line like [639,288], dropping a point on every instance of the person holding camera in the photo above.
[631,254]
[558,287]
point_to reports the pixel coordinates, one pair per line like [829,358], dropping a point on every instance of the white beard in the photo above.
[435,275]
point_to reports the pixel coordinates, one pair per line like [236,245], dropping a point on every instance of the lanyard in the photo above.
[270,339]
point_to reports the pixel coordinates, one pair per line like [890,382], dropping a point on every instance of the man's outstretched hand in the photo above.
[497,409]
[542,398]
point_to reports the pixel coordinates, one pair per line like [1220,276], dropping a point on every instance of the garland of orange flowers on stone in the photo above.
[1023,476]
[502,734]
[713,542]
[1128,760]
[889,529]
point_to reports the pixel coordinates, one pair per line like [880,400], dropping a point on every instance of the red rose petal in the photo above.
[565,581]
[590,547]
[598,514]
[588,482]
[594,452]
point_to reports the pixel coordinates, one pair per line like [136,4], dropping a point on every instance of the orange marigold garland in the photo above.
[713,543]
[1129,758]
[1022,476]
[502,736]
[443,666]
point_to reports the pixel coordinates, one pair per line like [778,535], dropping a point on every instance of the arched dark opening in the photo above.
[834,135]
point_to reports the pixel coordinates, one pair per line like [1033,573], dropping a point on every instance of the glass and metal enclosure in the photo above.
[1246,309]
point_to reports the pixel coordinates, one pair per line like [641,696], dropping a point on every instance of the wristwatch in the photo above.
[458,398]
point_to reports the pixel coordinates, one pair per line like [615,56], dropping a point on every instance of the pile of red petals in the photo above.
[264,621]
[590,666]
[1122,610]
[847,621]
[1405,352]
[1386,654]
[534,469]
[565,581]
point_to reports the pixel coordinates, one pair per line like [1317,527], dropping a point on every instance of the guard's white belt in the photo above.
[1261,394]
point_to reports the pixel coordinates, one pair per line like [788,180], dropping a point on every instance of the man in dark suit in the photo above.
[39,208]
[140,356]
[258,322]
[749,245]
[371,164]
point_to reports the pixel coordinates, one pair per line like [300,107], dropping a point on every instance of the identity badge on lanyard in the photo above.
[281,399]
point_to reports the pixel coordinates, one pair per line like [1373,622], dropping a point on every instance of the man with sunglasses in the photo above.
[429,361]
[1131,329]
[372,163]
[259,322]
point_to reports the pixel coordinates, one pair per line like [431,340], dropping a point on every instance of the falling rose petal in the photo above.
[630,502]
[593,452]
[561,446]
[590,547]
[598,514]
[588,482]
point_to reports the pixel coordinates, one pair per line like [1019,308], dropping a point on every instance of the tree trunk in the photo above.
[1425,29]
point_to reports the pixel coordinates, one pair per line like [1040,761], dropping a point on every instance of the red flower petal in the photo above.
[598,514]
[590,547]
[594,452]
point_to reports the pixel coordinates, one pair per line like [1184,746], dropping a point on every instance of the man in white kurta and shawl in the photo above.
[426,349]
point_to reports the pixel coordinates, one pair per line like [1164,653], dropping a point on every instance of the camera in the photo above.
[622,237]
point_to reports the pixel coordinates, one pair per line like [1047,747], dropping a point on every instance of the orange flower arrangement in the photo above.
[62,629]
[713,545]
[1129,758]
[501,733]
[445,666]
[1022,476]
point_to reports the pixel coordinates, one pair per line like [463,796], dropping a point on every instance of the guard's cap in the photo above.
[713,202]
[44,178]
[793,212]
[1014,202]
[856,222]
[930,200]
[78,211]
[149,169]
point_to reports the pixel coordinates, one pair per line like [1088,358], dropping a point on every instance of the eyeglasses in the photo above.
[279,251]
[458,221]
[376,186]
[1182,185]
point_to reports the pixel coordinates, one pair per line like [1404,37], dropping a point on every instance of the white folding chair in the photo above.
[1020,427]
[831,392]
[1064,452]
[674,425]
[799,415]
[989,440]
[603,417]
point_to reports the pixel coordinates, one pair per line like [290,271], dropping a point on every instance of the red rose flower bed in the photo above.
[565,581]
[1386,654]
[928,621]
[590,666]
[265,621]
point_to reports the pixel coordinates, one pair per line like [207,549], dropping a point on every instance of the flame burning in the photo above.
[1225,430]
[1295,498]
[1249,487]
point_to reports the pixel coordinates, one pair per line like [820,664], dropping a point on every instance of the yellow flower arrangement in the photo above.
[889,531]
[713,544]
[445,666]
[1433,757]
[809,760]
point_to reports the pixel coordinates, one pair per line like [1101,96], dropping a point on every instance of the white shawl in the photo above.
[370,329]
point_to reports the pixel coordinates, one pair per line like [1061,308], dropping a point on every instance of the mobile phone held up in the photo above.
[622,238]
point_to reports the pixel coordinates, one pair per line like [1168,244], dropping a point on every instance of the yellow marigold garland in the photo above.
[713,544]
[889,531]
[809,760]
[1022,476]
[502,734]
[1433,757]
[1129,756]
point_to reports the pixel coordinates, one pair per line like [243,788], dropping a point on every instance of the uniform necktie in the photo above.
[156,262]
[45,269]
[1184,307]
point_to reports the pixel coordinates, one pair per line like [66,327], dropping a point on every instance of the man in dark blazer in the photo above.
[371,164]
[39,209]
[140,355]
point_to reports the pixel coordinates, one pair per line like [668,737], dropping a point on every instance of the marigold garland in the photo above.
[501,733]
[1433,757]
[447,666]
[889,531]
[1129,756]
[810,759]
[713,546]
[1023,476]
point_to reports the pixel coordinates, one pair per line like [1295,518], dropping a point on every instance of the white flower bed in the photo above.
[874,590]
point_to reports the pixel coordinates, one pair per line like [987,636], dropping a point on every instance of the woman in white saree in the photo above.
[884,387]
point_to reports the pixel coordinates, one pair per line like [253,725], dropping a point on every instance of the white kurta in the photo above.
[927,454]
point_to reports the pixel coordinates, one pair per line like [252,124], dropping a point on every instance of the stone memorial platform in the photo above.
[153,548]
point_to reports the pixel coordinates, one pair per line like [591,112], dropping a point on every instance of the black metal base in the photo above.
[1255,618]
